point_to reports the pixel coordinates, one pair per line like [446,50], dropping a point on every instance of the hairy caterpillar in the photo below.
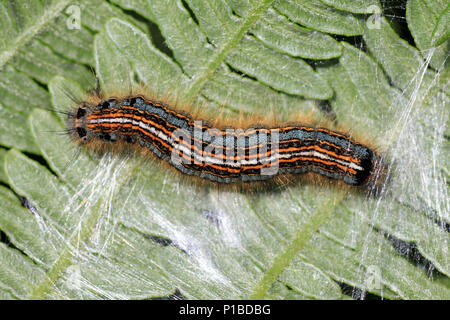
[222,155]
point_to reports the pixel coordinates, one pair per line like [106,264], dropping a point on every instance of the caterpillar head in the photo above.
[77,123]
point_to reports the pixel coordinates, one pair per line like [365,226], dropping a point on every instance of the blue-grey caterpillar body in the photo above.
[223,155]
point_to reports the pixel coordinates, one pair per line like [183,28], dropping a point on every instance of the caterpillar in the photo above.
[222,155]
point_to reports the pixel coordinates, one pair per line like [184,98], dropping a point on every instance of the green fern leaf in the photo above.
[109,227]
